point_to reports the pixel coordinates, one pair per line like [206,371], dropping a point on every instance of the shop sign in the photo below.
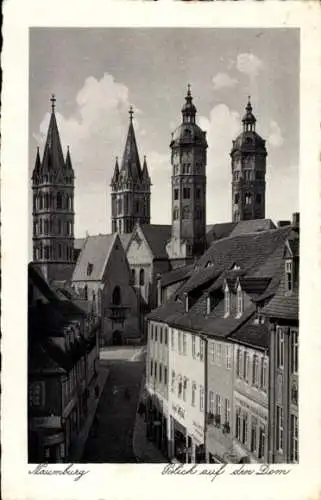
[179,410]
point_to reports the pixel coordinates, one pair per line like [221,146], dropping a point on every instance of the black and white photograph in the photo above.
[164,246]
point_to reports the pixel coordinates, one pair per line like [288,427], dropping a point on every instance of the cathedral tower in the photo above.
[248,171]
[53,207]
[130,187]
[188,161]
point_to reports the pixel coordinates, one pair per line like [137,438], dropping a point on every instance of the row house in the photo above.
[218,349]
[63,359]
[283,318]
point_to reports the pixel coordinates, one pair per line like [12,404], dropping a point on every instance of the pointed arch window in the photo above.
[46,200]
[133,276]
[141,277]
[59,200]
[46,226]
[248,198]
[116,296]
[46,252]
[40,202]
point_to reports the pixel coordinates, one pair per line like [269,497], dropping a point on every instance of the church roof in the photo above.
[93,258]
[157,236]
[125,239]
[283,306]
[224,229]
[130,166]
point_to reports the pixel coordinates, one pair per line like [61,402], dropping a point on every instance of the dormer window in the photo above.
[227,301]
[240,302]
[289,275]
[90,268]
[209,264]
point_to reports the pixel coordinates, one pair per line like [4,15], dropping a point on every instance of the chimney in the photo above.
[283,223]
[296,220]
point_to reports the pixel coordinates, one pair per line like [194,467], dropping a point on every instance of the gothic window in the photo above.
[236,198]
[40,202]
[119,206]
[35,253]
[141,277]
[186,213]
[86,292]
[199,213]
[175,194]
[59,226]
[137,206]
[46,252]
[46,227]
[69,227]
[186,193]
[133,276]
[175,213]
[116,296]
[59,200]
[248,198]
[46,200]
[198,193]
[114,227]
[258,198]
[187,132]
[40,250]
[34,201]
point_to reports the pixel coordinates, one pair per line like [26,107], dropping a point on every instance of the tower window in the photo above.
[258,198]
[175,213]
[119,206]
[133,275]
[186,193]
[248,198]
[40,202]
[137,206]
[59,226]
[116,296]
[46,227]
[236,198]
[175,194]
[59,251]
[259,175]
[59,200]
[46,252]
[289,275]
[186,213]
[141,277]
[198,194]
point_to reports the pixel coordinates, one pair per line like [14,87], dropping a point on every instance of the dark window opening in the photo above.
[186,193]
[116,296]
[175,194]
[141,277]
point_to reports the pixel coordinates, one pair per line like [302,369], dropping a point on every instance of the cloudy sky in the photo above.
[97,74]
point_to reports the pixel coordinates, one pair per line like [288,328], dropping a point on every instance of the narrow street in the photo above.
[111,441]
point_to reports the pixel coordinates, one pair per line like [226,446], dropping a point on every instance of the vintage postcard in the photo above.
[161,250]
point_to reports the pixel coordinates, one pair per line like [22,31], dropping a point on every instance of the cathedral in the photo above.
[150,250]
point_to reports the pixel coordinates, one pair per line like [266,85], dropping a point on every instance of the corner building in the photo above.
[188,158]
[248,171]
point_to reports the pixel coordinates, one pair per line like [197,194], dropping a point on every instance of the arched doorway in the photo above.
[117,338]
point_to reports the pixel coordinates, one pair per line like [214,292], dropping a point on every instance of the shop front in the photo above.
[156,423]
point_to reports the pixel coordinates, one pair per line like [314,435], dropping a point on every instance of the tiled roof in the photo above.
[252,226]
[250,252]
[53,158]
[176,275]
[125,238]
[157,236]
[94,257]
[255,335]
[130,165]
[217,231]
[283,306]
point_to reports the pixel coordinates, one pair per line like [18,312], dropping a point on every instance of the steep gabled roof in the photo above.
[125,239]
[157,236]
[53,158]
[130,165]
[283,306]
[92,261]
[252,226]
[176,275]
[217,231]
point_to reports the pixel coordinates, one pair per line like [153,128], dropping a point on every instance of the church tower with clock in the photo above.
[188,159]
[248,171]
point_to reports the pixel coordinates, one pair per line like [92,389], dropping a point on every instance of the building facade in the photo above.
[130,187]
[53,207]
[248,171]
[188,158]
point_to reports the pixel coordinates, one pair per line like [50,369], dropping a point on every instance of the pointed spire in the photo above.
[116,172]
[249,119]
[37,166]
[130,166]
[189,110]
[145,174]
[68,160]
[53,158]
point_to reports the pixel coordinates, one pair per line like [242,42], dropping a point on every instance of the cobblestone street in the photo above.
[111,437]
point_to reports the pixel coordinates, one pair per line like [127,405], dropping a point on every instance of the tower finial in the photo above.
[53,102]
[131,112]
[189,89]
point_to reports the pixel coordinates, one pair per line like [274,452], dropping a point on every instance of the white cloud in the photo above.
[249,64]
[275,138]
[223,80]
[222,126]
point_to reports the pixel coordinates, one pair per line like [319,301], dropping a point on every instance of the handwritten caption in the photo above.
[215,472]
[70,470]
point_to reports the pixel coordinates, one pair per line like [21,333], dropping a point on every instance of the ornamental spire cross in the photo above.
[53,102]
